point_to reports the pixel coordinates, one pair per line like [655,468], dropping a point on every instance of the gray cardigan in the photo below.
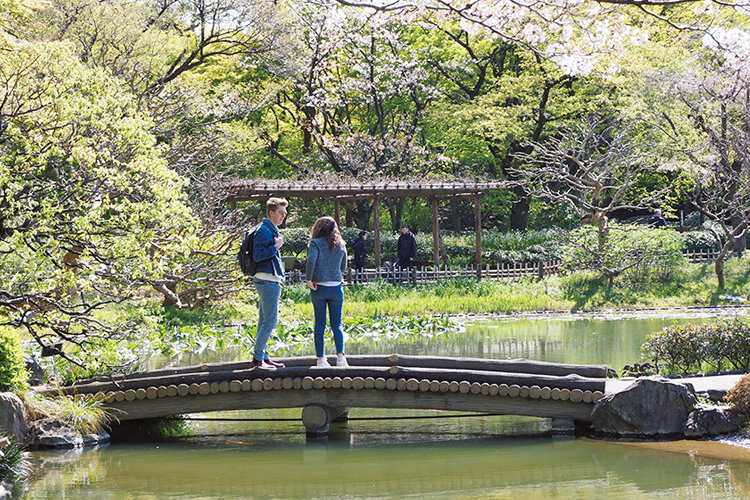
[324,264]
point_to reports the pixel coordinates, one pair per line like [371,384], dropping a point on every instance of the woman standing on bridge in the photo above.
[326,264]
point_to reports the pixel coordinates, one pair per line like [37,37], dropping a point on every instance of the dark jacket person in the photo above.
[359,251]
[407,248]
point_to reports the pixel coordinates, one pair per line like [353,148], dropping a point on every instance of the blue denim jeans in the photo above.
[269,293]
[331,298]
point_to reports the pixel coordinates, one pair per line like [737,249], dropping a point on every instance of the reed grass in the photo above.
[14,465]
[85,415]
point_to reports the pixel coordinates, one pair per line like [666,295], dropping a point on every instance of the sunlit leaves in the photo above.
[89,208]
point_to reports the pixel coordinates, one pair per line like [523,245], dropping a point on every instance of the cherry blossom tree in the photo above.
[591,167]
[585,36]
[720,164]
[359,98]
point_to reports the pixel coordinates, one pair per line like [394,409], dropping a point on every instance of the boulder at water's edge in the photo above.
[707,421]
[651,406]
[13,416]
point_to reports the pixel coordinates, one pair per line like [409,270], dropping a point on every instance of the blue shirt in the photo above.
[265,252]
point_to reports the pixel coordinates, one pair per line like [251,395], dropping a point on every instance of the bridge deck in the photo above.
[502,387]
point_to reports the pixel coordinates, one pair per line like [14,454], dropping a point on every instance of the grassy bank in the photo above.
[452,297]
[691,285]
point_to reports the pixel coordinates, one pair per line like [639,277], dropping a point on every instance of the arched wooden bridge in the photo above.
[509,387]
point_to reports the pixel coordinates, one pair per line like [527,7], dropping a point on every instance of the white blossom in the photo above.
[706,8]
[534,34]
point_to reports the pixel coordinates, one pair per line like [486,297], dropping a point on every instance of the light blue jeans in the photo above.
[269,293]
[331,298]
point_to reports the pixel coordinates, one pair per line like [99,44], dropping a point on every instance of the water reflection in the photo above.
[356,467]
[612,339]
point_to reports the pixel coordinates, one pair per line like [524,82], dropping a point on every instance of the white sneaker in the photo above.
[324,362]
[341,361]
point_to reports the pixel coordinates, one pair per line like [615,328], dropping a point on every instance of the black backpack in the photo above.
[248,266]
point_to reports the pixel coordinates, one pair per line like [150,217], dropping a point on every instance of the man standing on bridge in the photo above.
[268,279]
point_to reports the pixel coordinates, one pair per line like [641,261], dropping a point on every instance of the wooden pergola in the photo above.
[261,190]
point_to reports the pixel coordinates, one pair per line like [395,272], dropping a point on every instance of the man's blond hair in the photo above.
[273,204]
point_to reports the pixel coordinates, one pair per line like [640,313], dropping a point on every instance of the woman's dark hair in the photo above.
[362,234]
[326,228]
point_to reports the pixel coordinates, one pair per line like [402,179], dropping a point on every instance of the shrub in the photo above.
[739,396]
[634,252]
[678,346]
[700,239]
[712,346]
[13,375]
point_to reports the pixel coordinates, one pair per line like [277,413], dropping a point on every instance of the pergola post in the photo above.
[376,230]
[478,233]
[435,234]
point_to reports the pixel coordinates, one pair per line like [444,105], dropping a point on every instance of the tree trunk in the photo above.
[719,268]
[455,215]
[396,209]
[740,242]
[603,234]
[719,262]
[361,214]
[349,219]
[519,211]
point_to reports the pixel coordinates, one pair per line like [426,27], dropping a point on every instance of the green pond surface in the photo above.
[416,454]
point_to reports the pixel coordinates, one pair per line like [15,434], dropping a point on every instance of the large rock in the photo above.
[650,406]
[707,421]
[13,416]
[36,372]
[51,433]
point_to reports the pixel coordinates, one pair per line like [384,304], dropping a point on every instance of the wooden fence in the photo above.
[424,275]
[391,273]
[705,255]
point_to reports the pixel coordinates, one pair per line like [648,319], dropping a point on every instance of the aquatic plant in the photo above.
[291,336]
[13,463]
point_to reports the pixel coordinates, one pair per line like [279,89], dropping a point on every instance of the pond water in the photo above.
[416,454]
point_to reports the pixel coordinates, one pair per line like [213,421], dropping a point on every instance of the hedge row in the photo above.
[712,347]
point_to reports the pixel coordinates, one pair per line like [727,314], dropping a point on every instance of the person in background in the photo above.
[359,251]
[268,280]
[657,220]
[326,264]
[406,249]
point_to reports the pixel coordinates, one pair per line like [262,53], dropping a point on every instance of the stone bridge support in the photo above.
[316,418]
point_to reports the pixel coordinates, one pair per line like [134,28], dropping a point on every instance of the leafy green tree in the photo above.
[89,210]
[508,99]
[153,43]
[640,253]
